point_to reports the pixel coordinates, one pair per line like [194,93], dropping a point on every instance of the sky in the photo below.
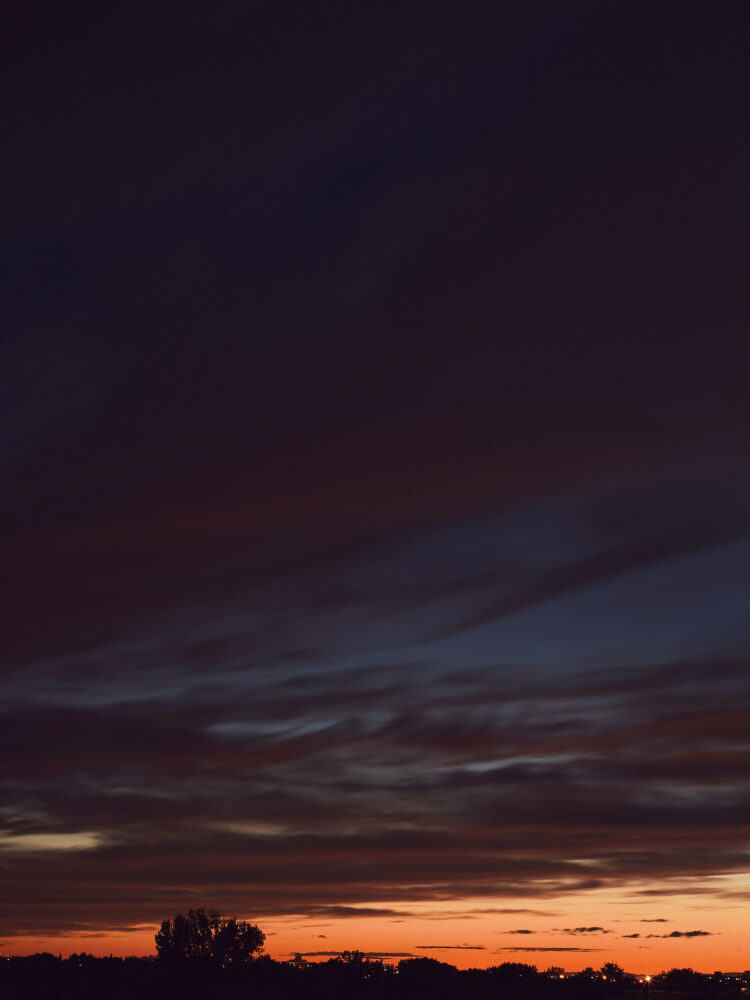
[376,495]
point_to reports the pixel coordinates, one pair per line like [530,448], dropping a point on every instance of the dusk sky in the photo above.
[375,478]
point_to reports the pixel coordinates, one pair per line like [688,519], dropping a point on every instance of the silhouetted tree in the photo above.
[682,981]
[352,957]
[614,976]
[515,972]
[516,979]
[206,935]
[424,976]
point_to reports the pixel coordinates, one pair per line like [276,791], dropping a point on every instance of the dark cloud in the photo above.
[548,949]
[585,930]
[447,947]
[355,911]
[269,818]
[368,954]
[375,515]
[682,934]
[631,935]
[608,564]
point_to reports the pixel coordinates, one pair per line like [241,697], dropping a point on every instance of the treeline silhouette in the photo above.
[84,977]
[204,956]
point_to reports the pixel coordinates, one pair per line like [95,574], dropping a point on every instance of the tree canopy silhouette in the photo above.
[207,935]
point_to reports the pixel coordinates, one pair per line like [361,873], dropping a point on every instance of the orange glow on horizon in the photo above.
[461,934]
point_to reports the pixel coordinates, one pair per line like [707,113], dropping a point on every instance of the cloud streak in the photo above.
[448,947]
[542,949]
[681,934]
[585,930]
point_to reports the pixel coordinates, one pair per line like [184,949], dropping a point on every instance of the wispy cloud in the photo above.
[547,949]
[300,753]
[355,911]
[585,930]
[366,954]
[448,947]
[682,934]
